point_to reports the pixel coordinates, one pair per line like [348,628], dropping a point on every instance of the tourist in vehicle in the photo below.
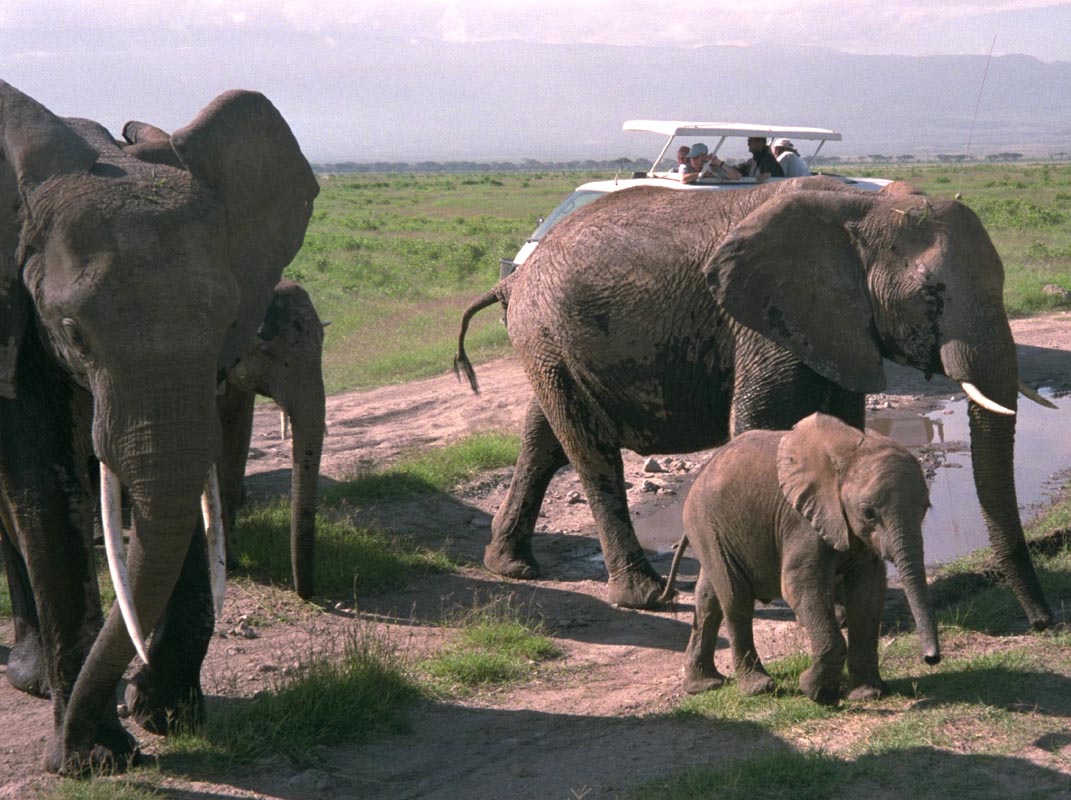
[682,158]
[761,165]
[697,159]
[789,158]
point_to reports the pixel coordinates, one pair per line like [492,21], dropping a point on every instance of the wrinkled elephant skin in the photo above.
[776,514]
[285,364]
[132,277]
[665,321]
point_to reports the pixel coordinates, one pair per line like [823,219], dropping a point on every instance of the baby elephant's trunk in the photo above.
[913,577]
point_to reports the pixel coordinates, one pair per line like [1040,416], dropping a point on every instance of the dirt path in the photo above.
[575,732]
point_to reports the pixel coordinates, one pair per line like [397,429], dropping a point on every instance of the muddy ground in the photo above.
[575,731]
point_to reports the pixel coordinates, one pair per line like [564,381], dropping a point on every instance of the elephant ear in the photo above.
[150,144]
[791,272]
[808,471]
[241,147]
[35,145]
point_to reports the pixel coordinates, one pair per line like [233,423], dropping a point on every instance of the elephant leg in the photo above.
[166,695]
[751,676]
[633,582]
[236,422]
[821,681]
[48,517]
[865,591]
[26,669]
[509,552]
[700,672]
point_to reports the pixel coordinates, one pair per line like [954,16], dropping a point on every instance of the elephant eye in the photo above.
[74,337]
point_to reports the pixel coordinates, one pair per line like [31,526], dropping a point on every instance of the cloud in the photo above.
[453,26]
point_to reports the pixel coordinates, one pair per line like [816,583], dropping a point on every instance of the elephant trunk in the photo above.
[995,373]
[307,425]
[910,564]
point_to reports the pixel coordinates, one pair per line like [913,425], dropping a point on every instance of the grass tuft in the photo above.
[349,557]
[494,646]
[335,698]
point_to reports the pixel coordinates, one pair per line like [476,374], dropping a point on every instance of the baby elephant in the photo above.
[782,514]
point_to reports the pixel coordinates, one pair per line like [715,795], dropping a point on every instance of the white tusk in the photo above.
[284,424]
[976,395]
[1030,394]
[212,509]
[112,517]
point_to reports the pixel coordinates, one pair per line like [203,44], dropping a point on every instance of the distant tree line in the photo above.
[627,165]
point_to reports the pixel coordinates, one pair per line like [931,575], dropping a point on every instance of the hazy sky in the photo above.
[107,59]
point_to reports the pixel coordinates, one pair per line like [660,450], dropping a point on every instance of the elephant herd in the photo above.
[141,309]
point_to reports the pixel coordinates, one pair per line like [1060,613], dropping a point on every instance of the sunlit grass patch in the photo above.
[497,643]
[354,693]
[349,557]
[438,470]
[783,708]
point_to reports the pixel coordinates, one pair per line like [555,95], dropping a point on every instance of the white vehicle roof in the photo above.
[673,128]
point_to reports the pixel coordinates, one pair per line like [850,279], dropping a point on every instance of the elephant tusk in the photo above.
[212,510]
[112,518]
[284,424]
[1030,394]
[976,395]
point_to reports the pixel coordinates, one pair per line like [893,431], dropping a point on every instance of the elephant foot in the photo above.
[823,692]
[26,667]
[163,708]
[699,679]
[113,751]
[753,682]
[869,690]
[517,562]
[640,587]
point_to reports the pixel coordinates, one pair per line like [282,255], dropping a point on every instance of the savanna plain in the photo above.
[415,673]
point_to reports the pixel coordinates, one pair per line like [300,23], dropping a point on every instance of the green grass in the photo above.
[785,707]
[350,558]
[392,261]
[332,699]
[427,472]
[496,644]
[358,558]
[101,789]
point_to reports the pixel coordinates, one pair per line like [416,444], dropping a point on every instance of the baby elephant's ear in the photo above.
[807,473]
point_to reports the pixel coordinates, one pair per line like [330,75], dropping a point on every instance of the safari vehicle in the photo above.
[688,132]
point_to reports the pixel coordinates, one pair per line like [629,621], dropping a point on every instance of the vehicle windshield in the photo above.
[576,200]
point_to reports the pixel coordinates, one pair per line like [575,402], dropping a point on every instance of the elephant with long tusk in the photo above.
[667,321]
[133,276]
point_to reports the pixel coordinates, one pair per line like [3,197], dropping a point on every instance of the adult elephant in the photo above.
[285,364]
[665,321]
[131,280]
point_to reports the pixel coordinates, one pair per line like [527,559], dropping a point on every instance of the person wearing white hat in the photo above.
[789,158]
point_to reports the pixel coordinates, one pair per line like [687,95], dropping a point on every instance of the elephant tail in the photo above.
[498,294]
[668,592]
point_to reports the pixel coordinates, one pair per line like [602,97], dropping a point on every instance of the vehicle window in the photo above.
[564,209]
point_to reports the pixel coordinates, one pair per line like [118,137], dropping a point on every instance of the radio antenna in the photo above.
[977,105]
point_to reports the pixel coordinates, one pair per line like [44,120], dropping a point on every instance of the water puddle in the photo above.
[941,439]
